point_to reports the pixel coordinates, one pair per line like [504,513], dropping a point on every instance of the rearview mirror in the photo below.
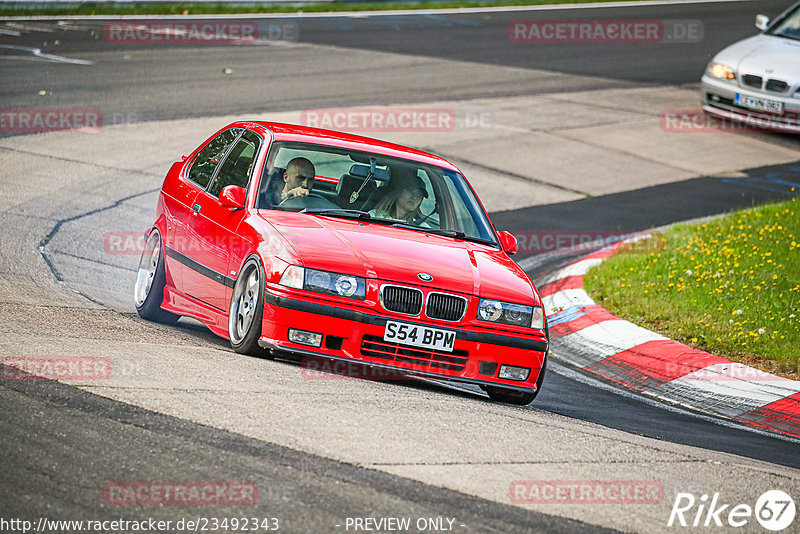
[508,242]
[232,196]
[762,21]
[362,171]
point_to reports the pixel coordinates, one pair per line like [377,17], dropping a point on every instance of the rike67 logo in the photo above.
[774,510]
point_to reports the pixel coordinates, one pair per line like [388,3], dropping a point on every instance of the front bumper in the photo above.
[353,335]
[718,98]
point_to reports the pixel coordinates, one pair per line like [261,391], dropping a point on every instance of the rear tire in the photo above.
[246,311]
[151,279]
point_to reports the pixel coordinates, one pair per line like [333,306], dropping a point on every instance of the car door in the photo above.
[181,244]
[214,226]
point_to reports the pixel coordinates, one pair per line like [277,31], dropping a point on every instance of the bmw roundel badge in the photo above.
[425,277]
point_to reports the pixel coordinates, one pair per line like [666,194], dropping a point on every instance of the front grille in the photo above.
[778,86]
[752,80]
[402,299]
[376,347]
[445,307]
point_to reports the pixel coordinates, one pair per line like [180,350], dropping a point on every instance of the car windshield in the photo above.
[788,27]
[373,187]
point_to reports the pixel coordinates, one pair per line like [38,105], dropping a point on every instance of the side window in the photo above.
[236,168]
[428,205]
[207,160]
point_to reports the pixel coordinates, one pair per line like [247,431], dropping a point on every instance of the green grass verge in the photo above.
[220,8]
[730,286]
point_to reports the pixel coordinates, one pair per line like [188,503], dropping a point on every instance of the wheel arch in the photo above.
[248,342]
[160,224]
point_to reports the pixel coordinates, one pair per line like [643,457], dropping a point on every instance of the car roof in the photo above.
[306,134]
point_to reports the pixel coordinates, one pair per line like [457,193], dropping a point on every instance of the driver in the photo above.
[298,181]
[403,199]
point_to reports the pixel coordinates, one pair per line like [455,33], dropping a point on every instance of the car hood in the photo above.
[397,255]
[764,55]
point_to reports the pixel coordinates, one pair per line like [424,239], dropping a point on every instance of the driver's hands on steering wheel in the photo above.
[298,191]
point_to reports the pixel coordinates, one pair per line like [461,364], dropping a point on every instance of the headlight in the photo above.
[495,311]
[343,285]
[718,70]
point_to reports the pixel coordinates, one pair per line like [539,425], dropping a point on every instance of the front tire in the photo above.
[247,308]
[521,398]
[151,279]
[510,396]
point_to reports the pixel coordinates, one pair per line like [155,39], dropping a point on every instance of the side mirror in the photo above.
[508,242]
[762,21]
[233,197]
[184,157]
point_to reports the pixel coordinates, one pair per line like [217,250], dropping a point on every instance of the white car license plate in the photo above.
[760,104]
[419,336]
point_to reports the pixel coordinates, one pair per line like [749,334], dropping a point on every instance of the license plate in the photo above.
[760,104]
[419,336]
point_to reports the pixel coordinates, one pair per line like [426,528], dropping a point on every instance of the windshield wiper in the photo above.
[365,216]
[393,223]
[461,235]
[449,233]
[339,212]
[457,234]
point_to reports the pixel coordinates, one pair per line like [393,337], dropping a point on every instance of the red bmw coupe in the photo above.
[288,239]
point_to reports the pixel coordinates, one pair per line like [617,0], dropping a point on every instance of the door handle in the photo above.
[196,208]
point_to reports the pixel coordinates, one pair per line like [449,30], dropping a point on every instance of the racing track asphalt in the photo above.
[88,420]
[95,441]
[136,82]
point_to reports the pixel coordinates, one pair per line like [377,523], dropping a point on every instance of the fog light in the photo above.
[509,372]
[305,338]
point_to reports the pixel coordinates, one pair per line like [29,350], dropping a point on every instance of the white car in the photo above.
[756,81]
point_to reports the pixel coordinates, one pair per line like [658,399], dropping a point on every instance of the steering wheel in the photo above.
[312,200]
[310,195]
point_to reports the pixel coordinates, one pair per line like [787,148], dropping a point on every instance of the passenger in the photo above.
[403,199]
[298,181]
